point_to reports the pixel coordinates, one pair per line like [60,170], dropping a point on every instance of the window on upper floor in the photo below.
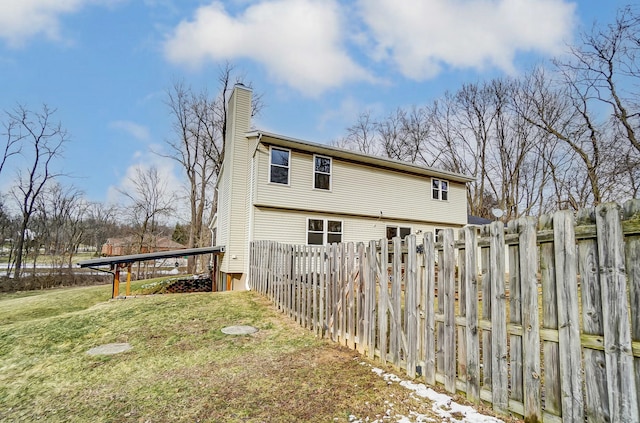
[394,231]
[322,172]
[439,189]
[279,166]
[323,231]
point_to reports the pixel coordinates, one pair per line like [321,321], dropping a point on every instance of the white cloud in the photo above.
[422,37]
[21,20]
[137,131]
[299,42]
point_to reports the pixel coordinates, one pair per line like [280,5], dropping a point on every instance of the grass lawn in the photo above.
[181,368]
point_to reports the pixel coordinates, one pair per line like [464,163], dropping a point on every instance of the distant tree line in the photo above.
[44,215]
[561,137]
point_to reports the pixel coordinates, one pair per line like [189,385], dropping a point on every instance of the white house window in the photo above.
[334,231]
[279,166]
[322,173]
[439,189]
[394,231]
[323,231]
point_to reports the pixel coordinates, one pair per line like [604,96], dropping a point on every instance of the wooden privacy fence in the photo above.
[555,339]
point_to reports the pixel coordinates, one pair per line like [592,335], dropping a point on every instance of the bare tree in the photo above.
[42,143]
[150,200]
[563,111]
[537,143]
[391,136]
[199,127]
[101,222]
[62,214]
[13,136]
[361,135]
[607,67]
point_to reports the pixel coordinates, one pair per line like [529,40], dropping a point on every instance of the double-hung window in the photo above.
[322,172]
[439,189]
[279,166]
[323,231]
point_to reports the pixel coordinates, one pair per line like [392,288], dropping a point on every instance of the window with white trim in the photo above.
[322,172]
[323,231]
[439,189]
[394,231]
[279,160]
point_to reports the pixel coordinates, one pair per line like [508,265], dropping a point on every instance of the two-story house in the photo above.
[273,187]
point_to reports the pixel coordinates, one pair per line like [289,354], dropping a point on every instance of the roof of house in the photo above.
[349,155]
[477,220]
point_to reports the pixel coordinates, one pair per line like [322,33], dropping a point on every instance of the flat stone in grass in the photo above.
[109,349]
[239,330]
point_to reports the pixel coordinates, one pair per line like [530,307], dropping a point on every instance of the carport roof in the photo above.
[132,258]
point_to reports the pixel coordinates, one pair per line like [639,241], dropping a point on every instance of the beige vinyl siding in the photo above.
[223,209]
[237,166]
[360,190]
[291,226]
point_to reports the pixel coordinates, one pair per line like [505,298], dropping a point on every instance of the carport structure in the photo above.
[119,262]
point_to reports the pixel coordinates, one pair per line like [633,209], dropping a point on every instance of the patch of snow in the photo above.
[442,404]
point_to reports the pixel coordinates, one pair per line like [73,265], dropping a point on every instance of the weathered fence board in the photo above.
[550,348]
[555,339]
[595,381]
[449,287]
[428,291]
[499,364]
[515,319]
[632,254]
[471,300]
[383,301]
[411,307]
[617,336]
[530,316]
[568,323]
[395,306]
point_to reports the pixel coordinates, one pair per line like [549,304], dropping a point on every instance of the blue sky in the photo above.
[106,65]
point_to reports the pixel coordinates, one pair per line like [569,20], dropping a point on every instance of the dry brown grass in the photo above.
[182,367]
